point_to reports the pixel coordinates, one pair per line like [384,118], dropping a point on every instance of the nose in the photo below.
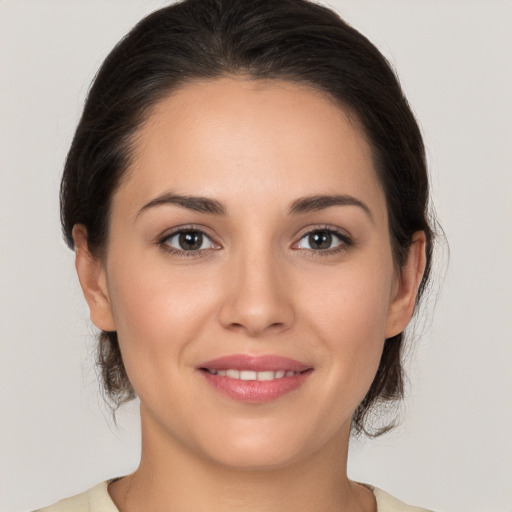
[257,296]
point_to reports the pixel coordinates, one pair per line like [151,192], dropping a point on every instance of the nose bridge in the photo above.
[257,297]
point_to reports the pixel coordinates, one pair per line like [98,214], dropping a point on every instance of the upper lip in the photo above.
[255,363]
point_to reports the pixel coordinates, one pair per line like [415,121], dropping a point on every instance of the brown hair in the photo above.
[294,40]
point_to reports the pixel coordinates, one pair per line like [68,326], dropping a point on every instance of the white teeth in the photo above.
[248,375]
[233,374]
[266,375]
[252,375]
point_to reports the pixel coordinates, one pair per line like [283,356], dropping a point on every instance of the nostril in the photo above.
[250,310]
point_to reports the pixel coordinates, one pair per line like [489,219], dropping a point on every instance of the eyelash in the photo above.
[163,242]
[345,242]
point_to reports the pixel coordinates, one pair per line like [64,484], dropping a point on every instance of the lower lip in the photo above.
[256,391]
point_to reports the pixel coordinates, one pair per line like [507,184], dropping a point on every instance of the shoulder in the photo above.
[96,499]
[388,503]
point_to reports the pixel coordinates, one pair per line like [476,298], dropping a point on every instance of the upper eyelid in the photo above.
[187,227]
[322,227]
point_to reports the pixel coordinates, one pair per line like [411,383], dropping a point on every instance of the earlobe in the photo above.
[404,300]
[93,280]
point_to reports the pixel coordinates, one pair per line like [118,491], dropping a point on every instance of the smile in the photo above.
[252,375]
[255,379]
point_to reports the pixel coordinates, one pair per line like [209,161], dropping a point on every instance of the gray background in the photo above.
[453,451]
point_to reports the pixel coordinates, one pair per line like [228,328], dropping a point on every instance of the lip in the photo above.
[255,363]
[255,391]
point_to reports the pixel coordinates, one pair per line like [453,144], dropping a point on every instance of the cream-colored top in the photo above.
[98,499]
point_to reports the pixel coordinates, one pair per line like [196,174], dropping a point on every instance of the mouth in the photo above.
[255,379]
[248,375]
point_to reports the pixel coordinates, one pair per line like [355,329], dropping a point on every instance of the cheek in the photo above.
[354,304]
[158,313]
[350,317]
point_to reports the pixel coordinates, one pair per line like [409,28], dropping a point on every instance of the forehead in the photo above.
[220,136]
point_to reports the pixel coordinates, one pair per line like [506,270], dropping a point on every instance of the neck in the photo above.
[170,477]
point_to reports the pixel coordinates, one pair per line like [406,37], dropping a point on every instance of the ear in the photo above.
[406,290]
[93,279]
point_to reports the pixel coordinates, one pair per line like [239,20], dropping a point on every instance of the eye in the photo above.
[188,240]
[323,240]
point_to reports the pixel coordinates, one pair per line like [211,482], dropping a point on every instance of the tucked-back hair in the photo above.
[293,40]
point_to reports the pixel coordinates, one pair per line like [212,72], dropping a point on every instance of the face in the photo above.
[249,272]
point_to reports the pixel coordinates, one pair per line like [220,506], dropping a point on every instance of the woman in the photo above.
[247,197]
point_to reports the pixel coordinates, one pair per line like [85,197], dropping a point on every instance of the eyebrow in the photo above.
[301,205]
[195,203]
[320,202]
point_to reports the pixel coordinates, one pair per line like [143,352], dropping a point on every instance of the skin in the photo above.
[256,288]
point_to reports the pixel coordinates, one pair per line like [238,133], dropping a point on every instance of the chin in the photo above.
[259,450]
[254,460]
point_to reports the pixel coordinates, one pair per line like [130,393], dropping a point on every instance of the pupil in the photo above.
[191,240]
[320,240]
